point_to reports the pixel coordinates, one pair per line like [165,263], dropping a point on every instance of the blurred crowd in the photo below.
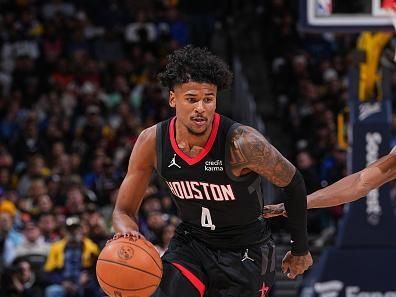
[309,77]
[77,85]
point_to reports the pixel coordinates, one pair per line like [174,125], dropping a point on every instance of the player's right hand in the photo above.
[274,210]
[131,235]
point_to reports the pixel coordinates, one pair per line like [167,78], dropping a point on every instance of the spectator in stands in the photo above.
[44,204]
[28,141]
[97,227]
[33,242]
[102,179]
[156,221]
[107,210]
[5,179]
[75,200]
[54,186]
[9,238]
[167,233]
[21,281]
[26,204]
[8,123]
[70,263]
[48,227]
[151,204]
[36,168]
[36,188]
[309,170]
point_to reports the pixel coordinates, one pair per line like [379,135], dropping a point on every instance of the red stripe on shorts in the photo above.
[195,281]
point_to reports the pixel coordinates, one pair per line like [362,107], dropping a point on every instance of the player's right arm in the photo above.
[130,195]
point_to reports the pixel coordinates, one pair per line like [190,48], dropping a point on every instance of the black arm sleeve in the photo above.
[296,208]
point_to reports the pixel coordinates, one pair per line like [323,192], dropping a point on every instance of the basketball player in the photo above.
[212,166]
[348,189]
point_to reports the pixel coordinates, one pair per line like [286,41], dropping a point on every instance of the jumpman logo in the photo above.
[246,256]
[264,290]
[173,162]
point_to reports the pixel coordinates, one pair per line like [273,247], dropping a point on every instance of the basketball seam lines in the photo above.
[149,255]
[104,289]
[123,288]
[114,262]
[145,252]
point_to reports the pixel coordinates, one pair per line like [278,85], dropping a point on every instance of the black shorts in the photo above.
[192,269]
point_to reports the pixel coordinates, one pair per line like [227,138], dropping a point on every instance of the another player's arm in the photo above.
[131,192]
[357,185]
[250,151]
[347,189]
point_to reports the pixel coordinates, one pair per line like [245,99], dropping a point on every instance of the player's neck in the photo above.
[186,140]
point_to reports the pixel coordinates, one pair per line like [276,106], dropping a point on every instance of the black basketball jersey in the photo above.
[216,207]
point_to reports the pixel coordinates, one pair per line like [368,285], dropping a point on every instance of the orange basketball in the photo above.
[127,268]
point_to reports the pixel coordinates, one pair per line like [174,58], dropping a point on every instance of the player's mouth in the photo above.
[199,120]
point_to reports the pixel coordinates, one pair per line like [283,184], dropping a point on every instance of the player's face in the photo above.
[195,105]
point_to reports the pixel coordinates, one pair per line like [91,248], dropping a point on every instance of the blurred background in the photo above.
[78,84]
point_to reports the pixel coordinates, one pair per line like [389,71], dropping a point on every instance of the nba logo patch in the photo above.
[324,7]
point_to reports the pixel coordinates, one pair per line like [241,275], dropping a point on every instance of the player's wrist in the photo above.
[299,247]
[299,253]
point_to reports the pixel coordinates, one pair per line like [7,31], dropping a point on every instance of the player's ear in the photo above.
[172,99]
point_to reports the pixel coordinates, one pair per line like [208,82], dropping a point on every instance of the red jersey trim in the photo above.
[195,281]
[208,146]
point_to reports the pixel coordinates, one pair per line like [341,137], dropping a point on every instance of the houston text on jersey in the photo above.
[201,190]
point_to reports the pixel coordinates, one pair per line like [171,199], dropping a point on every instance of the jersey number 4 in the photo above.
[206,219]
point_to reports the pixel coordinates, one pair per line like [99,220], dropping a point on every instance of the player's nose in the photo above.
[199,107]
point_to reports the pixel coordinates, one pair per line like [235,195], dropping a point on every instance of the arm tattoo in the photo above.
[250,150]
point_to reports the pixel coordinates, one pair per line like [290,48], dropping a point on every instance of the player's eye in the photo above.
[191,100]
[208,100]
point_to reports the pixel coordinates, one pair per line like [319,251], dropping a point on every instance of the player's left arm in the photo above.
[250,151]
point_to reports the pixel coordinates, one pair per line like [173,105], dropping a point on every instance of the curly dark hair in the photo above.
[195,64]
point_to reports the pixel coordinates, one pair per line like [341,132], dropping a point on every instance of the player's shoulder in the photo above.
[143,153]
[244,133]
[148,135]
[241,129]
[149,132]
[393,151]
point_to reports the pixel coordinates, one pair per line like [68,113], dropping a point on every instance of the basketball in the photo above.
[127,268]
